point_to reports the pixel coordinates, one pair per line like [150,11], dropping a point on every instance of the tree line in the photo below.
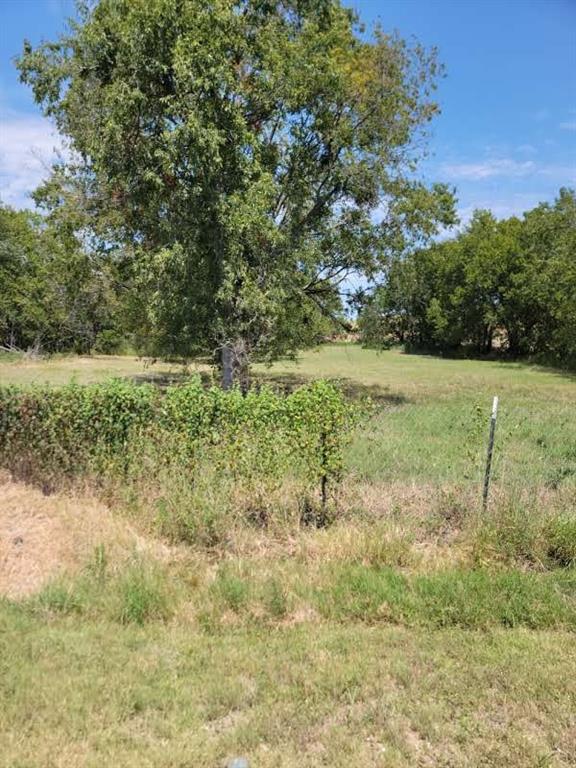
[54,295]
[507,285]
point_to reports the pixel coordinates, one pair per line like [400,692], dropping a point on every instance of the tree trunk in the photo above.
[489,339]
[227,367]
[235,365]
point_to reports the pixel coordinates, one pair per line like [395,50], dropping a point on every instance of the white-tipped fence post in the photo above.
[489,454]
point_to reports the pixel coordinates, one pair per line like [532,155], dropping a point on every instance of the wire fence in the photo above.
[443,443]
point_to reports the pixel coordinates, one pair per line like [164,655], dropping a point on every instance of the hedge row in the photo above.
[50,432]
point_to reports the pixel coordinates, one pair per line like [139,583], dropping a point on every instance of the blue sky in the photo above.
[506,137]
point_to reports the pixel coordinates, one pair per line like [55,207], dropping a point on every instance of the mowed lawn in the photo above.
[339,680]
[85,369]
[348,696]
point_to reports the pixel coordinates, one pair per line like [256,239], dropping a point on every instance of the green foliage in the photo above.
[108,342]
[509,284]
[54,295]
[48,432]
[23,294]
[202,444]
[232,156]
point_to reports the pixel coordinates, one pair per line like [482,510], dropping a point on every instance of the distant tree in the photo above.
[53,296]
[545,291]
[515,279]
[24,293]
[236,153]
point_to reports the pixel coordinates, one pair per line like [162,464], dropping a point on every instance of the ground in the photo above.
[399,636]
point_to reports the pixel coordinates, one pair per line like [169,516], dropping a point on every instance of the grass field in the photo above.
[411,632]
[301,696]
[433,416]
[62,369]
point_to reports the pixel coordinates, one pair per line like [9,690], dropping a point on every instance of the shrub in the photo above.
[193,451]
[108,342]
[47,433]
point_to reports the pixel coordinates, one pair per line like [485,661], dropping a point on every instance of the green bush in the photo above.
[108,342]
[204,447]
[49,432]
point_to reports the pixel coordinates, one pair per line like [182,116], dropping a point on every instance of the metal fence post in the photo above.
[489,454]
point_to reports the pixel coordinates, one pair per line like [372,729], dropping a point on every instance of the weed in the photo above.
[472,599]
[275,599]
[59,597]
[98,565]
[521,533]
[142,595]
[560,540]
[231,589]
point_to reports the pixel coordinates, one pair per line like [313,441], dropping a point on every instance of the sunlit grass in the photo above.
[61,369]
[78,693]
[432,414]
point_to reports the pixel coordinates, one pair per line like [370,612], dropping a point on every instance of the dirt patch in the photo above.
[43,536]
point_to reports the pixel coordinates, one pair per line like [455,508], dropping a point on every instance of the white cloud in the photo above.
[506,168]
[569,125]
[488,169]
[502,208]
[28,144]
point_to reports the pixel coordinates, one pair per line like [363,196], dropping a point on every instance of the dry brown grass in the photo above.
[42,537]
[415,528]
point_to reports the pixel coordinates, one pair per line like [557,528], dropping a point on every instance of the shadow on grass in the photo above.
[288,382]
[495,358]
[281,382]
[162,380]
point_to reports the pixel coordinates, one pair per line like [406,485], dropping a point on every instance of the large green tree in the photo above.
[239,153]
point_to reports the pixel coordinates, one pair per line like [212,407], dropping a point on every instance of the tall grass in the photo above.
[135,592]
